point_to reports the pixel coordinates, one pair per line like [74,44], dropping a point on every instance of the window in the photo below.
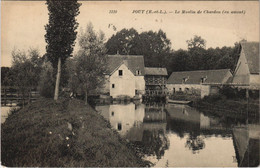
[173,90]
[138,72]
[119,126]
[203,79]
[120,72]
[183,80]
[112,113]
[113,85]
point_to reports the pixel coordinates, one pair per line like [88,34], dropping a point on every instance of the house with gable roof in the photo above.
[125,76]
[201,82]
[247,68]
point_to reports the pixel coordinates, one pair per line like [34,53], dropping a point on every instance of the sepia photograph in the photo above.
[130,83]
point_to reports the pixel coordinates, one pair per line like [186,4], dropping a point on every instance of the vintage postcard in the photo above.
[130,83]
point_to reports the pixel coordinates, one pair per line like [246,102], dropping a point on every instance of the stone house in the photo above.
[247,68]
[125,76]
[200,82]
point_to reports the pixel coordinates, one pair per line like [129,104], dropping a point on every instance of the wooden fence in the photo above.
[12,96]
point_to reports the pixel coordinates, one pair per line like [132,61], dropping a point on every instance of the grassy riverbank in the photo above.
[233,108]
[62,134]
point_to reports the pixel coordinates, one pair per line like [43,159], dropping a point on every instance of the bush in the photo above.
[238,93]
[214,98]
[46,84]
[254,94]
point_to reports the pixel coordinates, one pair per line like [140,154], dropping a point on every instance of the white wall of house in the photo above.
[241,75]
[123,85]
[203,89]
[254,79]
[140,84]
[182,87]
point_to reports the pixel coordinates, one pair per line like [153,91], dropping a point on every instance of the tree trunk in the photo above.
[86,97]
[56,94]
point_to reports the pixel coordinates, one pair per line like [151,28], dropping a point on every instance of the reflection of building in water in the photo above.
[192,120]
[142,124]
[246,143]
[153,141]
[154,113]
[184,113]
[123,117]
[185,119]
[209,123]
[154,119]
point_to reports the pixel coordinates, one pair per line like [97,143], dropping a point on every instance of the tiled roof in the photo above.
[155,71]
[194,77]
[133,62]
[251,50]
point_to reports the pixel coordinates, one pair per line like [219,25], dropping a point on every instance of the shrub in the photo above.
[254,94]
[238,93]
[214,98]
[46,84]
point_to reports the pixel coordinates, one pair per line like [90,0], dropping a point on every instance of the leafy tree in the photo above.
[26,69]
[179,61]
[225,62]
[155,46]
[6,76]
[61,34]
[88,67]
[196,42]
[122,42]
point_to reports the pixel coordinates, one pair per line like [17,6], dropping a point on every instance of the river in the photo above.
[179,135]
[5,111]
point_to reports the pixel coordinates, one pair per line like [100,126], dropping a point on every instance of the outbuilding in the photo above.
[201,82]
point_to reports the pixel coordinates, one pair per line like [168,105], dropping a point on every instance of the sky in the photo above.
[22,22]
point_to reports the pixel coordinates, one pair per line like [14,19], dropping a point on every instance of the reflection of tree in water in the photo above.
[154,143]
[195,143]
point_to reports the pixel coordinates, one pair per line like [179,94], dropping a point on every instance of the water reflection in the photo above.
[177,135]
[123,117]
[5,111]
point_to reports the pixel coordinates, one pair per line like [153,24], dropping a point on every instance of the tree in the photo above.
[25,69]
[196,42]
[197,58]
[197,52]
[154,46]
[6,76]
[122,42]
[179,61]
[61,34]
[88,68]
[226,62]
